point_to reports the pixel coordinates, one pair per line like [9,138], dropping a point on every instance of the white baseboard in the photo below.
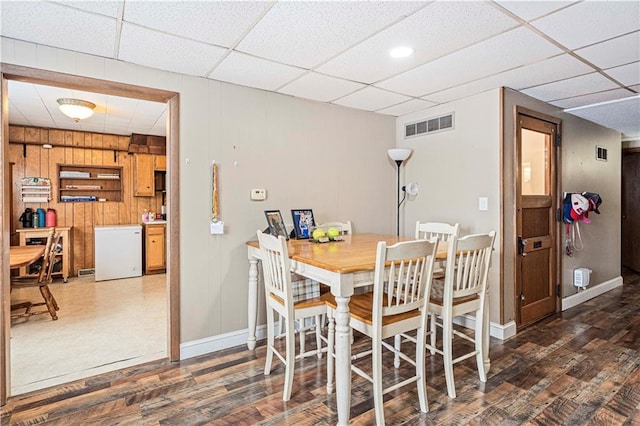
[219,342]
[499,331]
[590,293]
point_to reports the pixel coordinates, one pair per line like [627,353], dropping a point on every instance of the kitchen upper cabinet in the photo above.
[143,177]
[160,162]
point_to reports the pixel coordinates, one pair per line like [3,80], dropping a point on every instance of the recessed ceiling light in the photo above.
[401,52]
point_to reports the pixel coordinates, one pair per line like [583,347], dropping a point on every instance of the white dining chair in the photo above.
[463,291]
[344,227]
[276,267]
[397,304]
[444,232]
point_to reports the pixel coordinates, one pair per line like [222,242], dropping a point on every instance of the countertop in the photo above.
[155,222]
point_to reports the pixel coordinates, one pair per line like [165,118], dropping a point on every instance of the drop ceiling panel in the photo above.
[39,22]
[576,86]
[627,74]
[622,116]
[592,98]
[218,22]
[250,71]
[162,51]
[546,71]
[590,22]
[371,99]
[433,32]
[102,7]
[306,34]
[407,107]
[529,10]
[320,87]
[473,62]
[611,53]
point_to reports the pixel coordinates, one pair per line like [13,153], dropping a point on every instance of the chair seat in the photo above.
[322,300]
[361,308]
[437,295]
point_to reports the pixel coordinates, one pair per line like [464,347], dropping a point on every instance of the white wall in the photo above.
[306,154]
[453,169]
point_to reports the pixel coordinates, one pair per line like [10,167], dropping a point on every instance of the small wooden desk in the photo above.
[20,256]
[341,265]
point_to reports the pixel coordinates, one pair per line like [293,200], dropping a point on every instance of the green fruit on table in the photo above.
[318,233]
[333,232]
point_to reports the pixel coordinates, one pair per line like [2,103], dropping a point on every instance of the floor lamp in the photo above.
[399,155]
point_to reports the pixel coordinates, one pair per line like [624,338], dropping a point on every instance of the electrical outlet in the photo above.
[258,194]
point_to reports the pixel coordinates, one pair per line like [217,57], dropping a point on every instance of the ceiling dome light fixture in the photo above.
[76,109]
[401,52]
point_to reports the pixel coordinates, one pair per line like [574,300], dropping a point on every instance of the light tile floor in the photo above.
[102,326]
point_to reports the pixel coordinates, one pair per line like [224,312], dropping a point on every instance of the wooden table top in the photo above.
[20,256]
[356,253]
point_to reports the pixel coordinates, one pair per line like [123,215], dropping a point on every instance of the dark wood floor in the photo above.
[582,367]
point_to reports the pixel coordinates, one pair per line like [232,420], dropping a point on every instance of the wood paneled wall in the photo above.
[79,148]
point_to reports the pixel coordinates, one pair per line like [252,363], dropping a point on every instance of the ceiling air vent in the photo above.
[430,125]
[601,153]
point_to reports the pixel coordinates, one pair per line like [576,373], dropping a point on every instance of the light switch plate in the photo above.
[483,203]
[258,194]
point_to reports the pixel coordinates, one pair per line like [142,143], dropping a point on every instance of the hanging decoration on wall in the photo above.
[217,226]
[575,209]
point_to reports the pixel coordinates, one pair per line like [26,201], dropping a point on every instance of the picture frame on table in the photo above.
[303,223]
[276,224]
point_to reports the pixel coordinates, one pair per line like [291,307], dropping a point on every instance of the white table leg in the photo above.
[253,302]
[343,360]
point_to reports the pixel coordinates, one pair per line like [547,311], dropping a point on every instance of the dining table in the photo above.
[20,256]
[343,265]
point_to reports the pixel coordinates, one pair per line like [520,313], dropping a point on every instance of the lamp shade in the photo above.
[411,189]
[75,108]
[399,154]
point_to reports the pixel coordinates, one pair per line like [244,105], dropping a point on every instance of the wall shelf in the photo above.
[83,183]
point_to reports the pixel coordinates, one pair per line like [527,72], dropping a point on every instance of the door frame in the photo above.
[558,199]
[51,78]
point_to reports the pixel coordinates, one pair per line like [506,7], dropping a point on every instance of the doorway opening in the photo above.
[171,99]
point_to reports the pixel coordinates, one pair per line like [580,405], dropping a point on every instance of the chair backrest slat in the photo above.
[468,262]
[402,276]
[444,231]
[276,267]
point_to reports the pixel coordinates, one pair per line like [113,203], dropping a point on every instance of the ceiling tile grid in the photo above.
[434,31]
[40,22]
[570,87]
[217,22]
[553,69]
[611,53]
[590,22]
[479,60]
[254,72]
[317,31]
[337,51]
[371,99]
[166,52]
[320,87]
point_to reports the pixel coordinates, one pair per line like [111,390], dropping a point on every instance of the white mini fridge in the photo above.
[118,251]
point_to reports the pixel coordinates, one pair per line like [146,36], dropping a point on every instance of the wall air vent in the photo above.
[601,153]
[430,125]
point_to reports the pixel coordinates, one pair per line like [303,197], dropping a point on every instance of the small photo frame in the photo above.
[302,223]
[276,224]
